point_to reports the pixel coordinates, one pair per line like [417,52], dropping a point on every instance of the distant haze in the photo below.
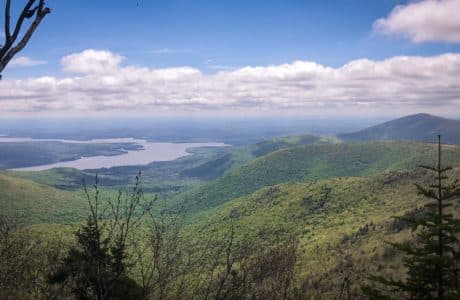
[182,129]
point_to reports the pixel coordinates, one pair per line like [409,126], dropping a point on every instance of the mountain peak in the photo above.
[417,127]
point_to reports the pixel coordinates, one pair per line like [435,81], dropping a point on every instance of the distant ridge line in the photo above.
[417,127]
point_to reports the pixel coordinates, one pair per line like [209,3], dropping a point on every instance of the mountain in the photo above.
[418,127]
[39,203]
[314,162]
[265,147]
[338,200]
[241,155]
[332,218]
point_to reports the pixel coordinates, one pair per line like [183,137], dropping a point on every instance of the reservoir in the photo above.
[150,152]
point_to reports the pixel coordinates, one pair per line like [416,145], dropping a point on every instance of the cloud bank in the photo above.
[424,21]
[99,82]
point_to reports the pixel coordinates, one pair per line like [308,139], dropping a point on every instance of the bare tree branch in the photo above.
[7,20]
[10,49]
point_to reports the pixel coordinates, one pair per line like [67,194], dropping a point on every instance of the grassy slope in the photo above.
[40,203]
[62,178]
[313,162]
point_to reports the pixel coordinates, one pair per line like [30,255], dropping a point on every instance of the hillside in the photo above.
[418,127]
[332,218]
[239,156]
[42,195]
[272,145]
[337,199]
[313,162]
[39,203]
[169,177]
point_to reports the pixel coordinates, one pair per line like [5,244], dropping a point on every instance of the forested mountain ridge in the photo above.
[337,219]
[336,200]
[313,162]
[418,127]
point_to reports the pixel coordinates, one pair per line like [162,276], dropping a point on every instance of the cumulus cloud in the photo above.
[403,83]
[424,21]
[91,61]
[24,61]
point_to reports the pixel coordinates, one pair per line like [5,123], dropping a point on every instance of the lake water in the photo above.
[151,152]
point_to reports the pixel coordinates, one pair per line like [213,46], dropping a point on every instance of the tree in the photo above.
[26,258]
[35,10]
[14,255]
[98,266]
[339,282]
[432,261]
[160,256]
[244,266]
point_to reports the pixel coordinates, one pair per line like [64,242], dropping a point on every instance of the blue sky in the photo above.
[209,34]
[224,36]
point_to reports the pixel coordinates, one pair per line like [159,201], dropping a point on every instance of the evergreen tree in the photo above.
[97,267]
[432,260]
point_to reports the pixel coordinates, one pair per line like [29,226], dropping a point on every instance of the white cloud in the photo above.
[424,21]
[403,83]
[91,61]
[24,61]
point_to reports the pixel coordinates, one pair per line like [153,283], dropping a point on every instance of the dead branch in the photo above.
[13,45]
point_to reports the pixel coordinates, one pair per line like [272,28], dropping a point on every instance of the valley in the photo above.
[335,197]
[227,150]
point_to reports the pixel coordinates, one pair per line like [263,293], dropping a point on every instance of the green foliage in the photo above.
[210,169]
[60,178]
[96,267]
[266,147]
[432,261]
[26,259]
[304,192]
[165,178]
[40,203]
[313,162]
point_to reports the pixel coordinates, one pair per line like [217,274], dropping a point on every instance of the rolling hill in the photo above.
[314,162]
[42,194]
[418,127]
[332,218]
[38,203]
[337,199]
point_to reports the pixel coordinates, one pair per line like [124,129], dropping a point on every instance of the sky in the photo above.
[239,57]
